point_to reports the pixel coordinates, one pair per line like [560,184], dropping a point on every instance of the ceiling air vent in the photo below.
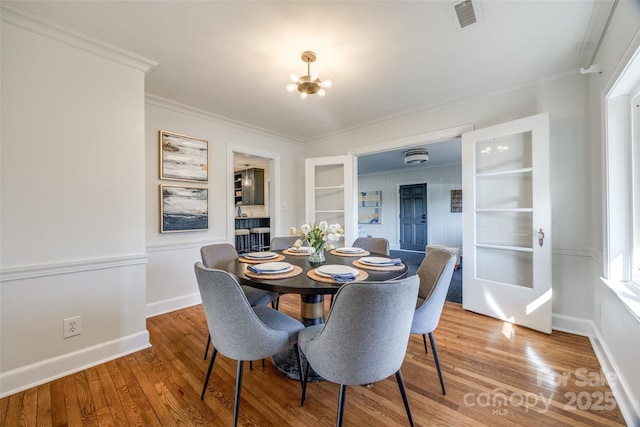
[465,13]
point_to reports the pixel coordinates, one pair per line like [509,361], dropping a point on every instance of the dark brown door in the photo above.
[413,217]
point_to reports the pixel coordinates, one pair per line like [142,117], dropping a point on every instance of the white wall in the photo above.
[444,227]
[618,330]
[72,202]
[171,281]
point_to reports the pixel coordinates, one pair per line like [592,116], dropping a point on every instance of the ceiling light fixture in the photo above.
[416,156]
[311,83]
[246,181]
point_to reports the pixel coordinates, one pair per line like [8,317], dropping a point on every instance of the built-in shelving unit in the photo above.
[329,193]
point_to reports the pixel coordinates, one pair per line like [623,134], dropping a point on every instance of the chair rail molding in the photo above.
[178,246]
[68,267]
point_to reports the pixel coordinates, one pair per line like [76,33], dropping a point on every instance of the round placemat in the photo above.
[294,253]
[359,264]
[338,253]
[268,276]
[362,275]
[258,261]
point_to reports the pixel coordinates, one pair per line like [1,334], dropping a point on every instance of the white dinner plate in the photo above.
[261,255]
[330,270]
[376,260]
[273,267]
[350,250]
[301,249]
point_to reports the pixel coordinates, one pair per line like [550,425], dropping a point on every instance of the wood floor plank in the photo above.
[58,407]
[101,407]
[14,409]
[119,413]
[496,374]
[85,399]
[29,407]
[140,411]
[43,415]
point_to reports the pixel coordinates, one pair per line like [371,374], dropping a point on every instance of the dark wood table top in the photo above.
[304,285]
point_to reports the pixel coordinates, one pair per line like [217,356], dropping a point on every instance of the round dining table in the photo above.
[311,291]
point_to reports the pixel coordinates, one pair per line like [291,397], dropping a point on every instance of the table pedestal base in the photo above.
[311,313]
[285,363]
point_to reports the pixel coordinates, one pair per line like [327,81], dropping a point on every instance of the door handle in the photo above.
[540,236]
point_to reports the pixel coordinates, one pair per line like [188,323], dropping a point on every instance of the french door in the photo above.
[330,194]
[507,222]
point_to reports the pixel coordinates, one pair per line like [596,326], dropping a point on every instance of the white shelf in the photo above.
[332,187]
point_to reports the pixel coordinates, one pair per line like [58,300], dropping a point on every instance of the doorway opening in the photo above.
[252,192]
[386,170]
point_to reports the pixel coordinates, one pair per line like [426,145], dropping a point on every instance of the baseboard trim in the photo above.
[624,398]
[173,304]
[572,325]
[588,328]
[33,375]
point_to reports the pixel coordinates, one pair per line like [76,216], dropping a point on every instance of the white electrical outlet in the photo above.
[72,327]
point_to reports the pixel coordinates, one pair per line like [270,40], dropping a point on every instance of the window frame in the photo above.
[621,106]
[634,106]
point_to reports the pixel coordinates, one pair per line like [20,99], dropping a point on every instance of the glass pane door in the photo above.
[507,228]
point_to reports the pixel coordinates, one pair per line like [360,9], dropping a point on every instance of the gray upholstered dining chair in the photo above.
[435,274]
[240,331]
[378,245]
[365,337]
[218,256]
[280,243]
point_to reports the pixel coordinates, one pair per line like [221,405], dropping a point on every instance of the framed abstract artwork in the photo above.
[183,157]
[183,208]
[370,207]
[370,199]
[456,200]
[369,215]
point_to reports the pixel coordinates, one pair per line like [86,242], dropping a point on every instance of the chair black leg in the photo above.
[206,380]
[302,377]
[236,405]
[341,399]
[424,340]
[304,384]
[206,349]
[403,392]
[251,365]
[435,357]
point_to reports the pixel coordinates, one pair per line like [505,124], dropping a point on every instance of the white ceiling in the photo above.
[441,153]
[385,58]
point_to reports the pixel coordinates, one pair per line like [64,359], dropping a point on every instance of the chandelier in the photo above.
[311,83]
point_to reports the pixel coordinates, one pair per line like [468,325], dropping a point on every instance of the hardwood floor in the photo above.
[496,375]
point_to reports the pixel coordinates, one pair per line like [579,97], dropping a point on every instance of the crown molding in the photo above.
[421,111]
[36,25]
[169,104]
